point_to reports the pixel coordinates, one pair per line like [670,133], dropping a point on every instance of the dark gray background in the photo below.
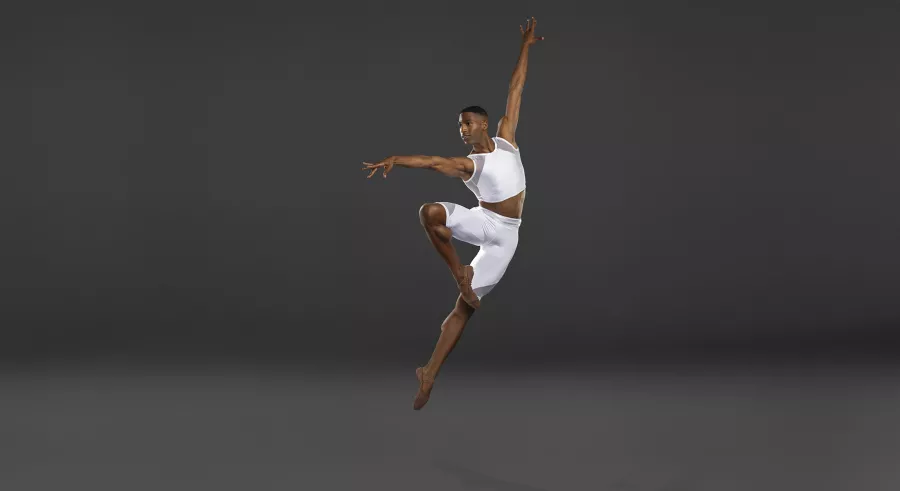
[201,290]
[183,179]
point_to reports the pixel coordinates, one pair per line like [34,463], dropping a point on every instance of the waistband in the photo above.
[515,222]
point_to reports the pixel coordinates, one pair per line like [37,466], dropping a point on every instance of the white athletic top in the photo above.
[499,174]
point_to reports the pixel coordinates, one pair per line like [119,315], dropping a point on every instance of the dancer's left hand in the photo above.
[528,37]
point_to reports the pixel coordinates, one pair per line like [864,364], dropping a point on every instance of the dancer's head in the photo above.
[473,125]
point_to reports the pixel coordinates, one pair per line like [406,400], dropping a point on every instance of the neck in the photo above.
[486,147]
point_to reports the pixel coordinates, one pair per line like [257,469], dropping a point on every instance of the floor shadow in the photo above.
[471,479]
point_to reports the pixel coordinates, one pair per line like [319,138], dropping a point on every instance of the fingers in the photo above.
[529,27]
[372,167]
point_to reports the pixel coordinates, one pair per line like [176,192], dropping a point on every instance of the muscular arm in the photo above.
[462,167]
[448,166]
[508,123]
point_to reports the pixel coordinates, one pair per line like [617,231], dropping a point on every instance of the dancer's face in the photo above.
[472,128]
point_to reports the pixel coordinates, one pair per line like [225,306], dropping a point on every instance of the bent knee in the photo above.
[432,214]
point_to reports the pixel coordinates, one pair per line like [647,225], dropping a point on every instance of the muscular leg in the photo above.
[451,331]
[433,218]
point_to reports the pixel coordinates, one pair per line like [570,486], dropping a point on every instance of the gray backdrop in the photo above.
[183,179]
[181,186]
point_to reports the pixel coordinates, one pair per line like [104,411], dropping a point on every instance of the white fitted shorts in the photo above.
[497,235]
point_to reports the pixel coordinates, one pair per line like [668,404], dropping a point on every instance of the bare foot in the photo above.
[426,382]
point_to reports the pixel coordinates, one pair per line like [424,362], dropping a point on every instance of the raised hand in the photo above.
[528,37]
[386,164]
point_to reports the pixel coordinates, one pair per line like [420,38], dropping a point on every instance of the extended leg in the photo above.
[451,331]
[434,220]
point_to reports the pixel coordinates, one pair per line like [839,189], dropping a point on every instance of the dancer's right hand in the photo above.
[386,164]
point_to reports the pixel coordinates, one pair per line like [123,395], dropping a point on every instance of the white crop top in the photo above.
[499,174]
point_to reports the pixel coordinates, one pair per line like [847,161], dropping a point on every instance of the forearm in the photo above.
[518,76]
[414,161]
[448,166]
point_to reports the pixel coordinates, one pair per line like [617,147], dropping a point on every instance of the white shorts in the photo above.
[497,235]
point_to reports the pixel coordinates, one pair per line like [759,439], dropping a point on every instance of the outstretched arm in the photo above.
[449,166]
[507,126]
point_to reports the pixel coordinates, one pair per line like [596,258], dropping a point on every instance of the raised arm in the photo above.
[507,126]
[449,166]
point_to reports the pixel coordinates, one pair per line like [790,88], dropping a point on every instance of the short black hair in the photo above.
[474,109]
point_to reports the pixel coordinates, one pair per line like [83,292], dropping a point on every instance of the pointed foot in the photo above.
[425,385]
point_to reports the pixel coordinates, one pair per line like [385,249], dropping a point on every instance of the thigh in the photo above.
[467,225]
[492,260]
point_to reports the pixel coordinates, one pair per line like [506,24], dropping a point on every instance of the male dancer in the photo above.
[493,172]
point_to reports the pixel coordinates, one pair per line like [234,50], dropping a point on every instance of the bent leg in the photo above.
[433,218]
[442,223]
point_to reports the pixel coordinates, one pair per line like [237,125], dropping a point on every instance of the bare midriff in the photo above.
[510,207]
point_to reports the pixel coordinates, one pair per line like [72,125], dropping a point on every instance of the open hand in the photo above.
[528,37]
[386,164]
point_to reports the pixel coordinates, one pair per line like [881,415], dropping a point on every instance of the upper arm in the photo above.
[506,128]
[461,167]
